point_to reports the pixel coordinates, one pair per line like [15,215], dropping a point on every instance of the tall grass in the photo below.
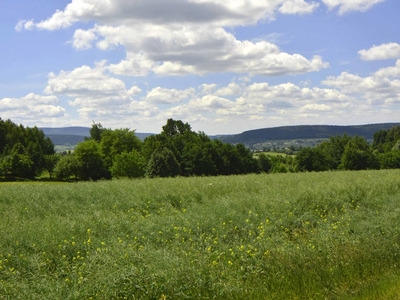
[285,236]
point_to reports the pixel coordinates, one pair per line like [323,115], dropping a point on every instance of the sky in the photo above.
[222,66]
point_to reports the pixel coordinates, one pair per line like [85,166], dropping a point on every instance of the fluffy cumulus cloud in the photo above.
[384,51]
[345,6]
[381,87]
[179,37]
[174,49]
[32,108]
[218,13]
[97,95]
[167,12]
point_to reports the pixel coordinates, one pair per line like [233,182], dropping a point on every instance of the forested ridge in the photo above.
[305,132]
[179,151]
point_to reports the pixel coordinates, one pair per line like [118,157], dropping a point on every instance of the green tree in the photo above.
[163,164]
[90,161]
[333,150]
[358,155]
[390,160]
[114,142]
[131,165]
[197,159]
[385,140]
[50,162]
[311,159]
[26,148]
[151,144]
[175,127]
[248,164]
[96,131]
[264,163]
[67,166]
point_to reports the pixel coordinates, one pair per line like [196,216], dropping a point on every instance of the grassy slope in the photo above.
[305,236]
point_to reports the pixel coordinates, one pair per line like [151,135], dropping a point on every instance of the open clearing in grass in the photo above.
[333,235]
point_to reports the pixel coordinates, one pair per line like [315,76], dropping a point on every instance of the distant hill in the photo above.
[76,134]
[68,136]
[74,130]
[304,132]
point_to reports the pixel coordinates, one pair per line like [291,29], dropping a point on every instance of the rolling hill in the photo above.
[304,132]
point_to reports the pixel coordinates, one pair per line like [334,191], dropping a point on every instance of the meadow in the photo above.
[331,235]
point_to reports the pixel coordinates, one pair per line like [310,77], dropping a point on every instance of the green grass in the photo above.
[333,235]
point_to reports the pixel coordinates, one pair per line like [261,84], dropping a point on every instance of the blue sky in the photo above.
[222,66]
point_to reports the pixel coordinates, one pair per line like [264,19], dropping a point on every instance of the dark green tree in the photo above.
[50,162]
[175,127]
[26,148]
[264,163]
[198,160]
[358,155]
[385,140]
[96,131]
[163,163]
[333,150]
[390,160]
[311,159]
[248,164]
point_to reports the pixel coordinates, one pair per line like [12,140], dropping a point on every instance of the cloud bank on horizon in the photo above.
[222,66]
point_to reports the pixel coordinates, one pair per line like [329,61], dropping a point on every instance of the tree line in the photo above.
[179,151]
[353,153]
[176,151]
[24,152]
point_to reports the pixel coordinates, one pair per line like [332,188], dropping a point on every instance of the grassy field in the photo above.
[333,235]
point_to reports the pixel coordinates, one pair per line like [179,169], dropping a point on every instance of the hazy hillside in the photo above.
[71,131]
[304,132]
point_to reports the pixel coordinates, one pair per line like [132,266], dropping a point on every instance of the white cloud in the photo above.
[83,39]
[381,87]
[97,95]
[289,95]
[179,37]
[31,108]
[315,108]
[207,88]
[297,7]
[384,51]
[86,81]
[134,90]
[177,50]
[232,89]
[219,13]
[346,6]
[210,104]
[261,102]
[390,72]
[136,64]
[168,96]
